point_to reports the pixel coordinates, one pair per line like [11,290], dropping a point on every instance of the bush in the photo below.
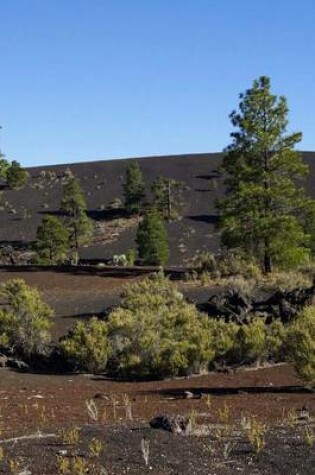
[224,337]
[240,285]
[300,344]
[156,333]
[87,345]
[251,343]
[25,320]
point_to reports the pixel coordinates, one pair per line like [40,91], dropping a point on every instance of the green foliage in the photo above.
[25,318]
[224,337]
[152,240]
[73,198]
[134,189]
[4,166]
[167,197]
[73,204]
[276,335]
[131,256]
[264,210]
[300,345]
[52,241]
[88,345]
[257,342]
[251,341]
[156,332]
[16,176]
[80,229]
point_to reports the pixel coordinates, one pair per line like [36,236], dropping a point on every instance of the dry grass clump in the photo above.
[287,281]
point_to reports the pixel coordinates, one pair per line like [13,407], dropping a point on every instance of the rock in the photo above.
[25,472]
[102,396]
[62,452]
[176,424]
[18,364]
[190,395]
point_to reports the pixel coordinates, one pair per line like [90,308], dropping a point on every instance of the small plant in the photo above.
[14,466]
[224,414]
[292,418]
[70,436]
[309,437]
[128,407]
[95,447]
[2,454]
[79,466]
[228,449]
[192,419]
[256,436]
[145,449]
[63,465]
[208,401]
[92,410]
[115,403]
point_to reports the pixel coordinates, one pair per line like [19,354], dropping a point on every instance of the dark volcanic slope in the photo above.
[22,210]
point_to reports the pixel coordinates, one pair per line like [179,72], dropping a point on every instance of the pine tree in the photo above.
[152,240]
[167,197]
[73,199]
[4,166]
[52,244]
[264,198]
[16,176]
[73,204]
[134,189]
[80,230]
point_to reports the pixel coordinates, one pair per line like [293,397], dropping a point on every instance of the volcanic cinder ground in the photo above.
[22,210]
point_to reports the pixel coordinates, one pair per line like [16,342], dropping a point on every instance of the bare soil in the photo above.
[31,402]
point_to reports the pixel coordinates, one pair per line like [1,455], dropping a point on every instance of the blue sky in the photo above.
[95,79]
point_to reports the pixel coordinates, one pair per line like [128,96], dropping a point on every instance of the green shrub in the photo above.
[300,344]
[87,345]
[25,318]
[276,334]
[131,256]
[241,285]
[224,337]
[156,332]
[251,345]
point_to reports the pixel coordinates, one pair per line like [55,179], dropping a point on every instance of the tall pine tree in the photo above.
[264,201]
[73,204]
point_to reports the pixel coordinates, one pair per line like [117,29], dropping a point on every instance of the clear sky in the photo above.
[95,79]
